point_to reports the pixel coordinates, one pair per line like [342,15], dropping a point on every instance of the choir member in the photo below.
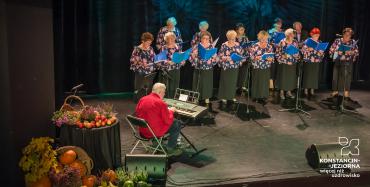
[229,68]
[141,60]
[168,67]
[170,27]
[203,27]
[311,64]
[286,76]
[343,62]
[299,34]
[203,73]
[242,39]
[277,27]
[261,67]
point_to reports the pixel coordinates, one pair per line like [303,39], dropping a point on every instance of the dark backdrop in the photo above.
[94,38]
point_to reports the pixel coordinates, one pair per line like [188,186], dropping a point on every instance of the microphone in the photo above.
[77,87]
[338,35]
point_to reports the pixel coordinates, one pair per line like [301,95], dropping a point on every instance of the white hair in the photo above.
[231,34]
[169,34]
[158,87]
[172,20]
[289,31]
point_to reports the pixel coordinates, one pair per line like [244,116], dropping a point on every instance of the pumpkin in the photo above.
[44,181]
[80,166]
[111,175]
[89,181]
[68,157]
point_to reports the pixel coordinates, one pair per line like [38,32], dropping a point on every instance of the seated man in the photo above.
[159,117]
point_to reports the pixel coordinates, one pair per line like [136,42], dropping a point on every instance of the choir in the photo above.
[273,62]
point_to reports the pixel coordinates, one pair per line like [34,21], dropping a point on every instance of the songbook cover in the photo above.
[178,57]
[291,50]
[206,54]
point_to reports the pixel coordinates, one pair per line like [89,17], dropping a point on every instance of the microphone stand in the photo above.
[342,110]
[298,106]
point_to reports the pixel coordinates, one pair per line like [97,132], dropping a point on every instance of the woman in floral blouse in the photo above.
[311,65]
[203,73]
[276,27]
[286,75]
[141,60]
[169,67]
[261,67]
[203,27]
[170,27]
[242,39]
[229,71]
[343,60]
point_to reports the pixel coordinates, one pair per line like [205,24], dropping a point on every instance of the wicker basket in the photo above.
[81,155]
[68,107]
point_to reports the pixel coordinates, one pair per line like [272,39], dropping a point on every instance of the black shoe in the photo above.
[210,109]
[222,106]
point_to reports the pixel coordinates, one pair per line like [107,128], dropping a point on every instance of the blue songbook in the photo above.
[206,54]
[291,50]
[160,57]
[277,37]
[316,45]
[178,57]
[322,46]
[267,55]
[344,48]
[236,58]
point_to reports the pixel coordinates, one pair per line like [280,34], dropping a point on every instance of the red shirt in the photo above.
[155,111]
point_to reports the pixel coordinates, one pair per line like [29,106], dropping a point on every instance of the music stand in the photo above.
[298,104]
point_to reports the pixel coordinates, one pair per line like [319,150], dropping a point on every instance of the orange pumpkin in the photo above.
[89,181]
[80,166]
[68,157]
[42,182]
[110,174]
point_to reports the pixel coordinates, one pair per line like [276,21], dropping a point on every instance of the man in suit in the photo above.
[300,35]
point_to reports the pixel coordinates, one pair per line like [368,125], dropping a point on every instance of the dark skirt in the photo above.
[260,83]
[310,77]
[342,72]
[171,83]
[243,75]
[286,77]
[205,83]
[228,80]
[143,81]
[274,70]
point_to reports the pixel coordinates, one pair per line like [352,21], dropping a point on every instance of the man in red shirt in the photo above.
[160,118]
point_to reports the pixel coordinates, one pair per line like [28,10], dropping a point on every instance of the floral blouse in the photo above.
[160,37]
[256,52]
[224,55]
[342,56]
[142,61]
[168,65]
[284,58]
[311,55]
[196,39]
[198,63]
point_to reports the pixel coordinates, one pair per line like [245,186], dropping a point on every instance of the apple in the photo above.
[93,124]
[103,123]
[103,117]
[98,124]
[109,122]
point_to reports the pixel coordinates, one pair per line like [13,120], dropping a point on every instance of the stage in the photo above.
[265,151]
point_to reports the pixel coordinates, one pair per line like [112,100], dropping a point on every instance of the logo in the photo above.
[349,146]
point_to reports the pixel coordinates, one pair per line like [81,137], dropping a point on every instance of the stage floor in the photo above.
[258,150]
